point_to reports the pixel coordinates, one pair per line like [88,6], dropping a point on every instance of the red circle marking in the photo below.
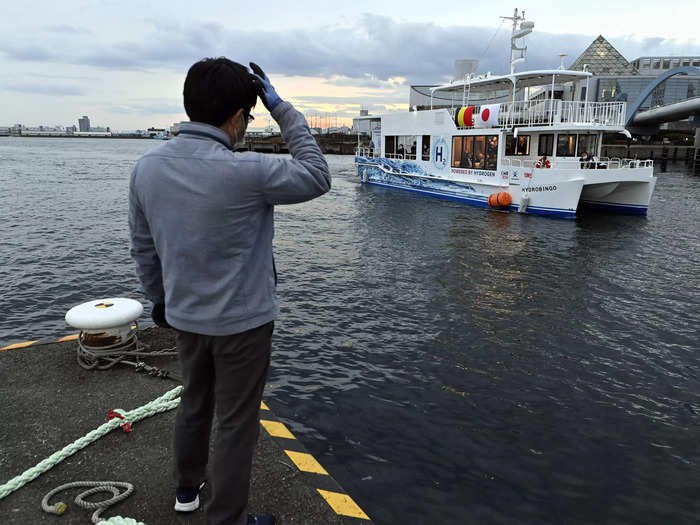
[485,114]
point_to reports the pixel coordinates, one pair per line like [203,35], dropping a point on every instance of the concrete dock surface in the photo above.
[48,401]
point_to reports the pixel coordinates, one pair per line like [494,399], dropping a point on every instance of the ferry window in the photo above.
[587,143]
[667,64]
[696,62]
[492,151]
[479,151]
[463,152]
[467,159]
[657,64]
[425,147]
[456,151]
[510,145]
[406,146]
[686,63]
[583,93]
[389,145]
[518,145]
[566,145]
[546,146]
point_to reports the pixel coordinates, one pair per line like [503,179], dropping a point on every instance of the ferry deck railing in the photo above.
[370,152]
[573,164]
[557,112]
[367,152]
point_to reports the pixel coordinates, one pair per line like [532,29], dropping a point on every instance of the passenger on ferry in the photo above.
[466,160]
[585,160]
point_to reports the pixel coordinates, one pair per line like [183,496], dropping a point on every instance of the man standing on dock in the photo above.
[201,222]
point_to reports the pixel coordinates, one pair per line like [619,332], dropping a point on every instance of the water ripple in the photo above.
[440,360]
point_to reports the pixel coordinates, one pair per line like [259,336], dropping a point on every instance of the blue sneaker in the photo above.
[261,519]
[187,498]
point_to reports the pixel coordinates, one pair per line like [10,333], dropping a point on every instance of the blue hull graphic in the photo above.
[442,189]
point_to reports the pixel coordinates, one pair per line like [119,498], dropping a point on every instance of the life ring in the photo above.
[547,164]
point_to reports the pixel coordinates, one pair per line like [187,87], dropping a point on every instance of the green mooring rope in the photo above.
[167,401]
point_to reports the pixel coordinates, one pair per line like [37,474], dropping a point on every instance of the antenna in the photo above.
[525,28]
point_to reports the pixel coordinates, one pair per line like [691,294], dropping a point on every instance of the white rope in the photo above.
[105,357]
[118,520]
[167,401]
[112,487]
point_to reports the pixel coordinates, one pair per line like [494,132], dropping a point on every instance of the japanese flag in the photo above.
[488,117]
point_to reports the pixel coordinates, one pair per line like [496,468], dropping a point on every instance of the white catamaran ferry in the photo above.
[539,152]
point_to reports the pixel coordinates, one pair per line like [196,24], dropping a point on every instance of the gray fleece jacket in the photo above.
[201,222]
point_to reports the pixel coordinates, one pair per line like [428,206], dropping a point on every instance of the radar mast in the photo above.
[521,28]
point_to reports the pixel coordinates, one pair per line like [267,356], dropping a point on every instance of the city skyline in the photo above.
[323,121]
[123,64]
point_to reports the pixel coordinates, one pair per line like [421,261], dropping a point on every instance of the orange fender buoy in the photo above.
[500,199]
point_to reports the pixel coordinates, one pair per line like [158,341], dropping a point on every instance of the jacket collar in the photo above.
[207,131]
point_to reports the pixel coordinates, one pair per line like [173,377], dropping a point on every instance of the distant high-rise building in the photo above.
[84,123]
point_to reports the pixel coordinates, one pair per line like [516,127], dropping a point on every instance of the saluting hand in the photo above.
[266,92]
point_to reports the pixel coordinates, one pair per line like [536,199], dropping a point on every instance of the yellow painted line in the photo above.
[68,338]
[19,345]
[276,429]
[263,406]
[306,462]
[343,504]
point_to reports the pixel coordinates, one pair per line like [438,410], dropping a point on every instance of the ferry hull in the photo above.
[553,196]
[627,197]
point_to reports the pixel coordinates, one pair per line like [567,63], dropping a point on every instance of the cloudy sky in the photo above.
[123,62]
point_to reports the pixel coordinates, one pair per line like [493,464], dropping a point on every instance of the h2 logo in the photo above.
[440,153]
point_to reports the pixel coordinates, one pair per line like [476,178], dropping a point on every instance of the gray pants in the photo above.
[226,373]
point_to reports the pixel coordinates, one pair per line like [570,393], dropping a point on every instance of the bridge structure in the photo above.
[647,122]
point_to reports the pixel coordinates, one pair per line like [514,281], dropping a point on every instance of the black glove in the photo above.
[158,315]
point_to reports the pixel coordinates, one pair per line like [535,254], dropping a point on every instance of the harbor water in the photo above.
[447,364]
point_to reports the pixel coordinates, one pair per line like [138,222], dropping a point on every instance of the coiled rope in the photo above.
[112,487]
[119,417]
[105,357]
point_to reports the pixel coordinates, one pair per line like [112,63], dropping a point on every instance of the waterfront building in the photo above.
[657,65]
[84,124]
[616,79]
[364,125]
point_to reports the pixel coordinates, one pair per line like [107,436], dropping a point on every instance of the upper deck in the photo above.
[560,113]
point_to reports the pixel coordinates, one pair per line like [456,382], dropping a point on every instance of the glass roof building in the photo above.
[602,59]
